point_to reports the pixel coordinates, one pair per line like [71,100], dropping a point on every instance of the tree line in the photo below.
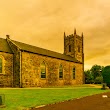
[97,75]
[94,75]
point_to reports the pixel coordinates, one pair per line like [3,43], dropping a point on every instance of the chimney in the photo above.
[7,36]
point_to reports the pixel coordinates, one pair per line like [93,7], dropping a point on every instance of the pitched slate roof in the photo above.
[4,47]
[45,52]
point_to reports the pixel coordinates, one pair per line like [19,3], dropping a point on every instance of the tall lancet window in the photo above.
[1,64]
[43,70]
[60,72]
[69,48]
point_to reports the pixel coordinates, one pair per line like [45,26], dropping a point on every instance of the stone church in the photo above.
[24,65]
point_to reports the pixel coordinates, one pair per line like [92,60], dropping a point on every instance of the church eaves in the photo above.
[44,52]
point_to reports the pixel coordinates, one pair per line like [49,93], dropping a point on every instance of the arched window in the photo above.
[43,70]
[60,71]
[73,72]
[1,64]
[69,48]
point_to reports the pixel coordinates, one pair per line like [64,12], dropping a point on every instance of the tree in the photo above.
[96,71]
[88,77]
[106,75]
[98,80]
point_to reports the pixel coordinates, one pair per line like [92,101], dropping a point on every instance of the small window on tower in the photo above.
[74,72]
[78,48]
[69,48]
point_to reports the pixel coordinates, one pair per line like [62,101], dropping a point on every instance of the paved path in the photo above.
[95,102]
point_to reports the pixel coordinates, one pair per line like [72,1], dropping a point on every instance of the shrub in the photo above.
[98,80]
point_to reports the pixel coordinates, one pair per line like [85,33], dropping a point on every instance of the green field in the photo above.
[17,99]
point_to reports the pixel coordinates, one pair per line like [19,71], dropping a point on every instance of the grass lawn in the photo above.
[17,99]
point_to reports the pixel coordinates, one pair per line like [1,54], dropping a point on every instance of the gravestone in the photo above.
[104,87]
[1,103]
[2,100]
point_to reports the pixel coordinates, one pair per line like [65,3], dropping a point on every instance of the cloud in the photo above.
[42,23]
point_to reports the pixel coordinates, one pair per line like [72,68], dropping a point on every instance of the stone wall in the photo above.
[16,63]
[75,42]
[69,40]
[30,71]
[6,79]
[79,42]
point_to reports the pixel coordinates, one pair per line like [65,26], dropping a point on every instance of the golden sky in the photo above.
[43,22]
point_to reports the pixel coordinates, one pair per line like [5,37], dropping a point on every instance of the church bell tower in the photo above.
[73,46]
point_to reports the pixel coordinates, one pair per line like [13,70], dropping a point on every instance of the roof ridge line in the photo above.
[12,42]
[36,46]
